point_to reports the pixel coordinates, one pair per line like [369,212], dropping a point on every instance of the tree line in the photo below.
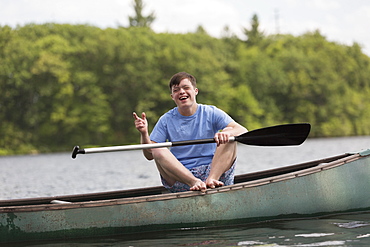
[63,85]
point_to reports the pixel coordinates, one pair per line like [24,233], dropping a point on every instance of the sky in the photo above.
[341,21]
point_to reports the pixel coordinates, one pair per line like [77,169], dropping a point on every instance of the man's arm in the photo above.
[141,125]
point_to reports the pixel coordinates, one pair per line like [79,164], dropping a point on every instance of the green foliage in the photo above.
[139,20]
[66,85]
[254,35]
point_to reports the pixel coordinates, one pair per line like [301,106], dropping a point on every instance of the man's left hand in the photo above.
[221,138]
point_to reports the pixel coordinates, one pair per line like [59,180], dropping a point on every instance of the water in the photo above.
[57,174]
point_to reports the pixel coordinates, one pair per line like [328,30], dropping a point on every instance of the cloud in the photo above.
[185,16]
[325,5]
[99,13]
[339,20]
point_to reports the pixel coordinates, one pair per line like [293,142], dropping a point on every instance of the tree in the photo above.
[201,30]
[140,20]
[62,85]
[254,35]
[226,33]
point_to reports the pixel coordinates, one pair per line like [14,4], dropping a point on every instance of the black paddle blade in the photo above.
[280,135]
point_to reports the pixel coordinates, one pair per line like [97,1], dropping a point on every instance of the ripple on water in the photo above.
[352,224]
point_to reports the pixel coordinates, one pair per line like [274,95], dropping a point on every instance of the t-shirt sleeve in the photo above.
[221,119]
[159,132]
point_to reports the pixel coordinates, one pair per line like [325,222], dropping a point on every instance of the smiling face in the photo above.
[184,95]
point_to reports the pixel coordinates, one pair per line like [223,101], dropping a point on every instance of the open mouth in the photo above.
[183,98]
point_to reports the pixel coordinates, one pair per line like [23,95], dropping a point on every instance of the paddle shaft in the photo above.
[280,135]
[77,150]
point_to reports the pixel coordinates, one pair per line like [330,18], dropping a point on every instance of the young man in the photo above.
[191,167]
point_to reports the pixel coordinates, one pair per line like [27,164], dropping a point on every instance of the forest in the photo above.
[63,85]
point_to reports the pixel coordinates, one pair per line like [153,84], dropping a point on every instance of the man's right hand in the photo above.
[141,124]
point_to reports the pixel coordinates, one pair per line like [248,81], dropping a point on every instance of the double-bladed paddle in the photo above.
[279,135]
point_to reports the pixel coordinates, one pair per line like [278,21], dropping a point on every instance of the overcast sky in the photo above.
[342,21]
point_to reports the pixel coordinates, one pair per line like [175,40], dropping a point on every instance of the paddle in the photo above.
[279,135]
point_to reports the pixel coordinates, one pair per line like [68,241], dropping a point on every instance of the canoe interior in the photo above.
[160,189]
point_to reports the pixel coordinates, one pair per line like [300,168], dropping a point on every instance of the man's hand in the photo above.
[141,124]
[223,136]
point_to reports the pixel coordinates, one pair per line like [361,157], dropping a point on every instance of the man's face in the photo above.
[184,94]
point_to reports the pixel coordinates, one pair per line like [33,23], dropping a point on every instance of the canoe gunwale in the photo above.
[309,168]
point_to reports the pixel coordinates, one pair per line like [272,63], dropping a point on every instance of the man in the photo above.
[191,167]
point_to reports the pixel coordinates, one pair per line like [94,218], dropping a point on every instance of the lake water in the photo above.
[58,174]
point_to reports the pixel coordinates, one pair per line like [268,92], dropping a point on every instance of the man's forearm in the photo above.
[145,139]
[235,129]
[239,129]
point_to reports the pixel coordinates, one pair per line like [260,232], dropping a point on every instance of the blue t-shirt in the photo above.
[204,124]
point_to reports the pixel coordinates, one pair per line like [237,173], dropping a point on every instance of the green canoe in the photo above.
[327,186]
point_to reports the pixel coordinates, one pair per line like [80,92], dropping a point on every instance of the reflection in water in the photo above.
[310,232]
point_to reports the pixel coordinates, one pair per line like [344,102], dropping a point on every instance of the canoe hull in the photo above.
[337,187]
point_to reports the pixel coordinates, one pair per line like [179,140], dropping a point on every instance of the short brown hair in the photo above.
[178,77]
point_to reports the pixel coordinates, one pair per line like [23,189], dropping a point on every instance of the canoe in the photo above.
[338,184]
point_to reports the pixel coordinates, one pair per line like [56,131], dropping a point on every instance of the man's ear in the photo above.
[196,91]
